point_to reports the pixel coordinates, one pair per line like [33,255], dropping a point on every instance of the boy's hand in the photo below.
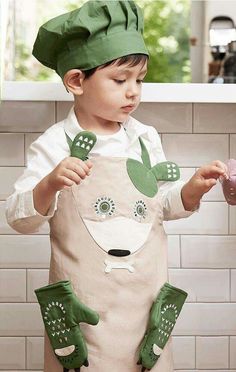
[69,171]
[201,182]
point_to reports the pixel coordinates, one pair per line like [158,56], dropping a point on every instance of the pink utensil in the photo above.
[229,185]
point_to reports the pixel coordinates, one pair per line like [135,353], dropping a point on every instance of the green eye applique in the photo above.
[104,206]
[140,210]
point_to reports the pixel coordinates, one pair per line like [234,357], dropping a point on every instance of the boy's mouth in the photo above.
[128,108]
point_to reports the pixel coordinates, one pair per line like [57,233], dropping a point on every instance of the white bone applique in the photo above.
[156,350]
[118,265]
[65,350]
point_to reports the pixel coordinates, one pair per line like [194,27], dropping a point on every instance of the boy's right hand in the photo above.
[69,171]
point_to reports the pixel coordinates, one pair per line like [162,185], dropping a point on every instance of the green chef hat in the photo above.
[98,32]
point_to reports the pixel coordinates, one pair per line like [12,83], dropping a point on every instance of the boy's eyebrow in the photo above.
[129,71]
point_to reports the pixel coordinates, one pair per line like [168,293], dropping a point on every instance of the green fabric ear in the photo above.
[163,316]
[69,141]
[144,155]
[82,144]
[144,177]
[166,171]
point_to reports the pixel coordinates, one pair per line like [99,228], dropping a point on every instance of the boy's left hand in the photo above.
[201,182]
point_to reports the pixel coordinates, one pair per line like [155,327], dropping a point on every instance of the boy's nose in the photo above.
[132,91]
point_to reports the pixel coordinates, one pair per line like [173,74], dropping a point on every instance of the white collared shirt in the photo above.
[51,148]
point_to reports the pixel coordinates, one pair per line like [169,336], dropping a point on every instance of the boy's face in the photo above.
[108,92]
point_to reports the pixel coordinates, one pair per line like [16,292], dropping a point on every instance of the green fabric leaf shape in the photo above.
[163,316]
[144,177]
[82,144]
[62,312]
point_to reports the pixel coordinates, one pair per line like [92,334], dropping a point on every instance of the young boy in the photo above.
[105,212]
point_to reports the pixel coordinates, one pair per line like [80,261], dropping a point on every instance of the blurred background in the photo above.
[189,41]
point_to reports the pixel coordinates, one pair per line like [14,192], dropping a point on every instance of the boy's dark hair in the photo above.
[131,60]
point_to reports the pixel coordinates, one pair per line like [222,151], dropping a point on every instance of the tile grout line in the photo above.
[193,111]
[26,285]
[24,149]
[26,353]
[180,251]
[55,111]
[229,209]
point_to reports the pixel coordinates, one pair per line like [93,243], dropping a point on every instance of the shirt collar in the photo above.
[133,128]
[71,124]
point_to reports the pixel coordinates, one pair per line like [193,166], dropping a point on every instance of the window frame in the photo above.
[151,92]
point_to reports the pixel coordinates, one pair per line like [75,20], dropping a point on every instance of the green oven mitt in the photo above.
[164,313]
[62,312]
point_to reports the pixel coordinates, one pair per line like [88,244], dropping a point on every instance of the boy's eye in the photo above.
[139,81]
[119,81]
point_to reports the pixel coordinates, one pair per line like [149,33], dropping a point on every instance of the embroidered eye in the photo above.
[140,209]
[104,206]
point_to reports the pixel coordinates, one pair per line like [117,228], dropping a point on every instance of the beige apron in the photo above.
[106,213]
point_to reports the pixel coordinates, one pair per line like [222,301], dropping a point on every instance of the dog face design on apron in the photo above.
[107,238]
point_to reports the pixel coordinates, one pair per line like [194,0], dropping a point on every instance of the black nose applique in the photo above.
[119,252]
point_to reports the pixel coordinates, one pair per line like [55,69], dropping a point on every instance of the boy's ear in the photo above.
[73,81]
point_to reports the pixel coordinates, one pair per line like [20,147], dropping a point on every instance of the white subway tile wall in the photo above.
[202,248]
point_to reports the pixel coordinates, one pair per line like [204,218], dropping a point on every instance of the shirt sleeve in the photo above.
[42,158]
[169,192]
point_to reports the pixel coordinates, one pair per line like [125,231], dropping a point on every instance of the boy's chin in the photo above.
[124,115]
[120,117]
